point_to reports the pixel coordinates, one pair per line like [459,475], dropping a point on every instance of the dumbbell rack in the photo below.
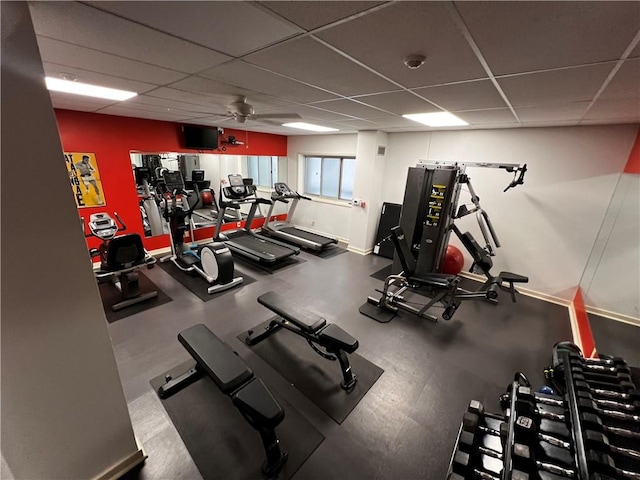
[565,435]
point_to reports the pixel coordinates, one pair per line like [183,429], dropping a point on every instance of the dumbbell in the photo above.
[586,395]
[593,421]
[463,466]
[618,379]
[583,385]
[598,441]
[613,368]
[603,463]
[524,460]
[607,361]
[554,449]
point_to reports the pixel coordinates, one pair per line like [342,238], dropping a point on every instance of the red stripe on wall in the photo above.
[633,163]
[584,329]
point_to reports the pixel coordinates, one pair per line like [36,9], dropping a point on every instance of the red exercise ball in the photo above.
[207,198]
[453,261]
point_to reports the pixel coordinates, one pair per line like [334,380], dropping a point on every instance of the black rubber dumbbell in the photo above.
[603,463]
[548,399]
[548,448]
[524,460]
[608,369]
[606,361]
[600,392]
[463,465]
[618,379]
[594,422]
[598,441]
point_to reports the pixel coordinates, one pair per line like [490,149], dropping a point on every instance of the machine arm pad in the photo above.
[303,319]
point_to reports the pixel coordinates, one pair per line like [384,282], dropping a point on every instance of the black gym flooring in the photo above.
[406,424]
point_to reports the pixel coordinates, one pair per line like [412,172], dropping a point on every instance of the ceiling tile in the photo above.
[479,94]
[308,112]
[311,62]
[617,108]
[225,94]
[556,112]
[85,76]
[83,25]
[398,102]
[555,86]
[382,39]
[61,53]
[381,123]
[352,108]
[134,112]
[249,76]
[519,37]
[179,112]
[626,81]
[173,104]
[310,15]
[488,117]
[205,101]
[234,28]
[71,101]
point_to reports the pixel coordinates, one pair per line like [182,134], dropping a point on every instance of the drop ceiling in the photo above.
[340,63]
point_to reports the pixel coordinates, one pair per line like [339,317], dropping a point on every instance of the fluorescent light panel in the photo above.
[77,88]
[309,126]
[437,119]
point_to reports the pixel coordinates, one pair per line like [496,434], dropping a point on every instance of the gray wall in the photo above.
[63,410]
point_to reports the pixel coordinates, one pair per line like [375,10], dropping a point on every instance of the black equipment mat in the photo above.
[327,252]
[318,379]
[383,273]
[376,313]
[219,439]
[270,267]
[111,295]
[198,285]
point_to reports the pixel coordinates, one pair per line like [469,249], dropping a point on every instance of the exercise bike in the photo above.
[120,256]
[213,261]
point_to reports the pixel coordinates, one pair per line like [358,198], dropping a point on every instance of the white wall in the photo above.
[546,226]
[63,409]
[612,278]
[328,218]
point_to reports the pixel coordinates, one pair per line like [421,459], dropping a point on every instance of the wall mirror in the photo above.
[202,173]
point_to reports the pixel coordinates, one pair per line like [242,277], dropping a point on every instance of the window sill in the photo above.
[329,201]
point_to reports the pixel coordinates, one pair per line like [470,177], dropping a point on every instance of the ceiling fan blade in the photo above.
[276,115]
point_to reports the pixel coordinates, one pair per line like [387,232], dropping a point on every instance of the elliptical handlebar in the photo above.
[122,226]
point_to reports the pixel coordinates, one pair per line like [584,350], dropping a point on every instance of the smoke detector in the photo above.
[414,61]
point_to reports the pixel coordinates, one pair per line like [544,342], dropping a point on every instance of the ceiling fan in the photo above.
[241,111]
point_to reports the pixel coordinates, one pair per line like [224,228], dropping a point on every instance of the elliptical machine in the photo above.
[213,261]
[120,257]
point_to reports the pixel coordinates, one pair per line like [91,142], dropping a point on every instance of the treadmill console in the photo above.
[173,181]
[238,187]
[283,190]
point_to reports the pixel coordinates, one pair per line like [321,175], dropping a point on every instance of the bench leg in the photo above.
[349,378]
[275,457]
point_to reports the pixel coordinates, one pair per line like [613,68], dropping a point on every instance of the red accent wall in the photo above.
[633,163]
[111,138]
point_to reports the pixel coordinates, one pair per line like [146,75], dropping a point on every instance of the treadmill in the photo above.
[286,230]
[244,241]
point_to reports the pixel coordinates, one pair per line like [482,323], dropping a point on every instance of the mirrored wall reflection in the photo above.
[201,175]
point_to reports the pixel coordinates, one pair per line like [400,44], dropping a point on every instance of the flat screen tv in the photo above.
[200,138]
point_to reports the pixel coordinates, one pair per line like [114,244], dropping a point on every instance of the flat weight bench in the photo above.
[249,395]
[313,328]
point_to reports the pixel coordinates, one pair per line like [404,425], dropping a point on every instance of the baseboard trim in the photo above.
[360,251]
[524,291]
[619,317]
[160,251]
[123,466]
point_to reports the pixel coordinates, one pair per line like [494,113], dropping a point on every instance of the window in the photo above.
[263,170]
[331,177]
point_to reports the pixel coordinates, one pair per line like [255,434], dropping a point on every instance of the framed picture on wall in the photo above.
[85,179]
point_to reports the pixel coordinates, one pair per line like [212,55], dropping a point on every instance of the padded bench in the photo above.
[234,378]
[312,327]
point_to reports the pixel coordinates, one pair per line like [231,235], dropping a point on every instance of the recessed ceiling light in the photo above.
[309,126]
[77,88]
[437,119]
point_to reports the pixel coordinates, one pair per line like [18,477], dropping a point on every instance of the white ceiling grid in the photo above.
[340,63]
